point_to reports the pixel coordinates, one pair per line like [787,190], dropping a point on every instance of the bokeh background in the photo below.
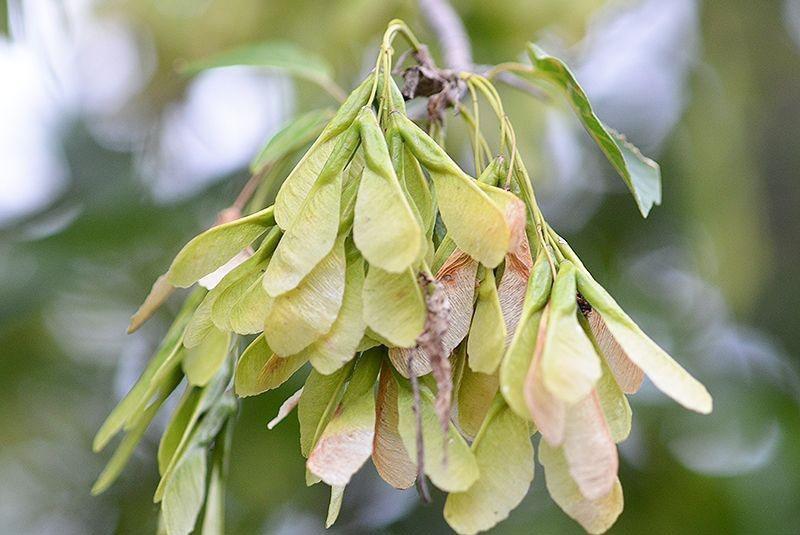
[110,160]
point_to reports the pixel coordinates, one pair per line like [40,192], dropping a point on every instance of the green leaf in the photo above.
[145,386]
[459,470]
[319,399]
[570,365]
[666,374]
[504,454]
[346,443]
[259,369]
[385,229]
[299,317]
[203,361]
[641,174]
[339,345]
[185,493]
[300,131]
[475,223]
[273,55]
[388,453]
[297,185]
[214,247]
[394,306]
[595,516]
[487,334]
[313,232]
[475,394]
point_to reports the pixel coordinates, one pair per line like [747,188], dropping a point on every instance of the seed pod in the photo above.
[477,226]
[504,454]
[394,306]
[596,516]
[388,453]
[297,185]
[385,229]
[339,345]
[259,369]
[459,470]
[299,317]
[313,232]
[517,361]
[487,334]
[211,249]
[570,365]
[346,442]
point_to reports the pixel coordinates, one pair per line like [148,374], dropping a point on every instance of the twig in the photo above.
[450,32]
[422,484]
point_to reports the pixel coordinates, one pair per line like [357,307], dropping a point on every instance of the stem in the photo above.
[450,32]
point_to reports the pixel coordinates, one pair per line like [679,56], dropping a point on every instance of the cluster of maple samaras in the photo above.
[346,272]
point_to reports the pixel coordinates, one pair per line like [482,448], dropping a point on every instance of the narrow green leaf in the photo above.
[459,470]
[299,132]
[185,493]
[346,443]
[274,55]
[394,306]
[214,247]
[339,345]
[319,399]
[297,185]
[385,229]
[595,516]
[301,316]
[203,361]
[487,334]
[641,174]
[570,365]
[259,369]
[504,454]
